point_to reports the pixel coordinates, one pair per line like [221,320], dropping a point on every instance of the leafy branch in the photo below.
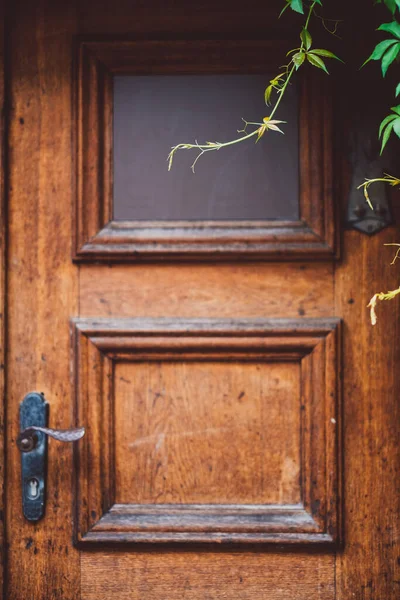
[278,84]
[380,296]
[389,124]
[389,179]
[387,52]
[390,4]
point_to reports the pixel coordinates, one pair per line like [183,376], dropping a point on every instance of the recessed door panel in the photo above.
[207,432]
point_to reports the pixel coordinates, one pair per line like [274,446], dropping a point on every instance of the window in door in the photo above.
[271,200]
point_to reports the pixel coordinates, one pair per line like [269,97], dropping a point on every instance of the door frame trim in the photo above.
[3,279]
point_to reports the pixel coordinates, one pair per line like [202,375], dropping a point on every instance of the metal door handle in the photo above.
[32,442]
[27,439]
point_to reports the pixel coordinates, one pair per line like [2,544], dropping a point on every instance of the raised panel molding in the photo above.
[99,238]
[99,344]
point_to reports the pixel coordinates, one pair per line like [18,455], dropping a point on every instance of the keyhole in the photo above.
[33,488]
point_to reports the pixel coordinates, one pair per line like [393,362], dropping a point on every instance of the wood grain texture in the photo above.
[42,291]
[271,290]
[211,576]
[3,266]
[369,566]
[207,432]
[181,358]
[205,18]
[42,295]
[98,237]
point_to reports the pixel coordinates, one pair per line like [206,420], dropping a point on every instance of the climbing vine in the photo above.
[386,52]
[277,87]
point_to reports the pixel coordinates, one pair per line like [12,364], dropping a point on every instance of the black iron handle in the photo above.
[32,442]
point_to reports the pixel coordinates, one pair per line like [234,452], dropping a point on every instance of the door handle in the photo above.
[27,439]
[32,442]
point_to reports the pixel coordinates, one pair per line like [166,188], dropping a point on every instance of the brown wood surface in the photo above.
[45,291]
[212,416]
[207,576]
[267,290]
[205,18]
[3,223]
[199,360]
[369,566]
[42,292]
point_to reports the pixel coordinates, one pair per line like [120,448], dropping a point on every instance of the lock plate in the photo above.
[34,412]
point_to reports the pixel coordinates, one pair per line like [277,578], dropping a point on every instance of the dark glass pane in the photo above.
[247,181]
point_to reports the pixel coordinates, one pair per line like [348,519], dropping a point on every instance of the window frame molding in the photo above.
[99,238]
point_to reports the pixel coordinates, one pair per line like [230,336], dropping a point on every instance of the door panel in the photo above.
[272,290]
[233,575]
[202,431]
[183,487]
[187,430]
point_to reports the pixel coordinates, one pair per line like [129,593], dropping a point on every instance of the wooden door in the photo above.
[241,413]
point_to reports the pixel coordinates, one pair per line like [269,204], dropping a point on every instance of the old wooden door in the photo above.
[210,331]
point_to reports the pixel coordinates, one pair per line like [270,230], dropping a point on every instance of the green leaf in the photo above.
[386,135]
[297,6]
[396,126]
[306,38]
[380,50]
[393,28]
[275,81]
[390,4]
[398,87]
[298,59]
[389,124]
[267,94]
[316,61]
[385,121]
[327,53]
[389,57]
